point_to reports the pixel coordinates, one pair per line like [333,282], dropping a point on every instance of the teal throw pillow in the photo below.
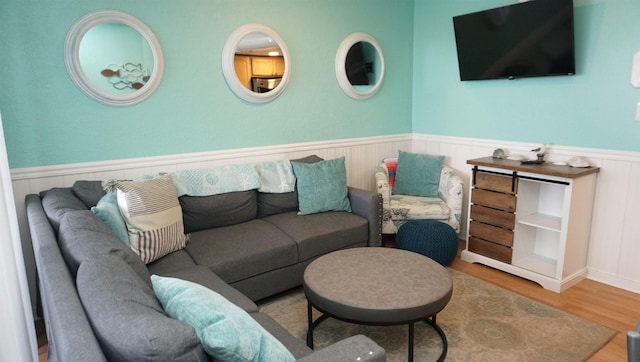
[321,186]
[107,210]
[226,332]
[417,174]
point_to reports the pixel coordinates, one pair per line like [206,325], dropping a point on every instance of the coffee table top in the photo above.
[375,285]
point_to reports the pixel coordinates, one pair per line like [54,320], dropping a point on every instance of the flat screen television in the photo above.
[529,39]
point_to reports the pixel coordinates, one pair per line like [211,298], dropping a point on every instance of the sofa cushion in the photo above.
[204,276]
[243,250]
[321,233]
[171,262]
[153,216]
[417,174]
[107,210]
[84,236]
[322,186]
[206,212]
[57,201]
[296,346]
[126,317]
[89,192]
[272,203]
[226,332]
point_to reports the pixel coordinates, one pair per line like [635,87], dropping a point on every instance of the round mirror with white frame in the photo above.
[359,66]
[113,58]
[256,63]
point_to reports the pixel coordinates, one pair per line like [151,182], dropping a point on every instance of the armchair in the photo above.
[398,209]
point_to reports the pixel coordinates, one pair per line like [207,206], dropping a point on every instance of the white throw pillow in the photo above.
[153,216]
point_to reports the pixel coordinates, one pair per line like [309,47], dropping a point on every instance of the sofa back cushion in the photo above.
[57,202]
[89,192]
[84,236]
[271,204]
[128,319]
[207,212]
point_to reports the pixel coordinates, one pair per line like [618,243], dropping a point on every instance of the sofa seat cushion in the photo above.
[171,262]
[318,234]
[84,236]
[243,250]
[416,208]
[128,320]
[204,276]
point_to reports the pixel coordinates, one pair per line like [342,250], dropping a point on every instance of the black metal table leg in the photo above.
[411,336]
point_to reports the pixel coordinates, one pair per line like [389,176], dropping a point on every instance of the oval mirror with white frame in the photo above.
[113,58]
[359,65]
[256,63]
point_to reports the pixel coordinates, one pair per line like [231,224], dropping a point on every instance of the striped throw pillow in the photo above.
[153,216]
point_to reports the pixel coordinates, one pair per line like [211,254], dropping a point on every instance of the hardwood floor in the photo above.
[606,305]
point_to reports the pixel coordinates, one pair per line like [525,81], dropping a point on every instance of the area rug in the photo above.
[482,322]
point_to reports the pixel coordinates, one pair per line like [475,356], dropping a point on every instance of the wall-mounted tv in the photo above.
[529,39]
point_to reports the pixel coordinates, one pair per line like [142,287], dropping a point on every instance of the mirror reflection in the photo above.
[362,65]
[259,63]
[116,58]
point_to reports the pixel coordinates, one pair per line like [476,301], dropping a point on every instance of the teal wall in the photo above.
[595,108]
[48,121]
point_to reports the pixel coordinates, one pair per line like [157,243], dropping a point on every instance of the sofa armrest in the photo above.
[354,348]
[69,333]
[368,204]
[450,190]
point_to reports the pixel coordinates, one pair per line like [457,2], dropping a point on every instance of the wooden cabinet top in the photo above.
[546,168]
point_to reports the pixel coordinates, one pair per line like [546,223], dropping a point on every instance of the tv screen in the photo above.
[529,39]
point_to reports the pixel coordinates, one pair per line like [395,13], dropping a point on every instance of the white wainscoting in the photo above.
[614,246]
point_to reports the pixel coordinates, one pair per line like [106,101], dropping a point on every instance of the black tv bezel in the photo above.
[516,76]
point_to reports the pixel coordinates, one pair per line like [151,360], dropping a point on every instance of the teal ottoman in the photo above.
[431,238]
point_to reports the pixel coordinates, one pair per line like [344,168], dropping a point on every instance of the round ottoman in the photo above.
[431,238]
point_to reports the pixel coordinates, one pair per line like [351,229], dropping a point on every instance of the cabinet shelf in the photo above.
[542,221]
[535,263]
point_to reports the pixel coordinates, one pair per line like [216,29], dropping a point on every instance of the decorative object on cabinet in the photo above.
[445,205]
[359,66]
[100,38]
[532,221]
[246,52]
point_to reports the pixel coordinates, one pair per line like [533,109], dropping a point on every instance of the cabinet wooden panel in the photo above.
[242,65]
[492,216]
[496,200]
[491,250]
[492,233]
[499,183]
[267,66]
[278,66]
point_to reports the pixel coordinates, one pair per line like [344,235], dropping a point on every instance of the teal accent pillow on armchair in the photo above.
[226,332]
[417,174]
[322,186]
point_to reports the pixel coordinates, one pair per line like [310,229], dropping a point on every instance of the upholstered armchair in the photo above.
[399,208]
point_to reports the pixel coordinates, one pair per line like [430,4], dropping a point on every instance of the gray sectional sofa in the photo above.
[96,296]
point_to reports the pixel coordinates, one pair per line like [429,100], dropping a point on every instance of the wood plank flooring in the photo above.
[609,306]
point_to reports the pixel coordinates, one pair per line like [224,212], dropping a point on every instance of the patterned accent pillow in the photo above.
[153,216]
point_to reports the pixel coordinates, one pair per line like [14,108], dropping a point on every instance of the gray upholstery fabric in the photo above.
[234,252]
[89,192]
[308,159]
[69,334]
[321,233]
[84,236]
[127,317]
[206,212]
[274,281]
[57,201]
[171,262]
[271,204]
[297,348]
[205,277]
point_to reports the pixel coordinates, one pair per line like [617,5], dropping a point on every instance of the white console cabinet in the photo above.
[532,221]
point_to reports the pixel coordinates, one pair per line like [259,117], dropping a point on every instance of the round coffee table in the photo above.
[377,286]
